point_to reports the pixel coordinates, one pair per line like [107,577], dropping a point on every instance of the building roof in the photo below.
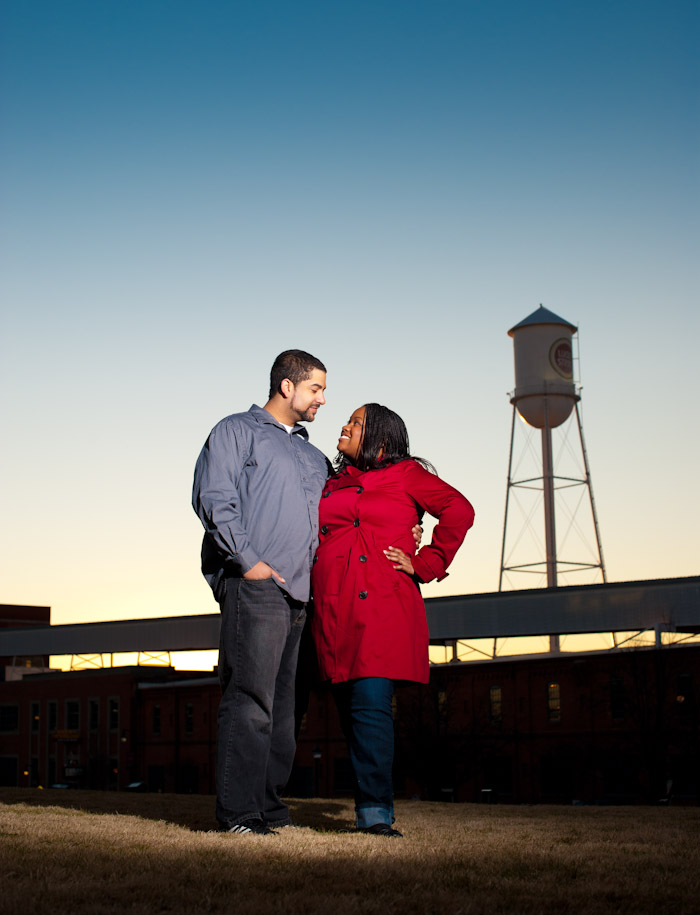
[670,604]
[22,615]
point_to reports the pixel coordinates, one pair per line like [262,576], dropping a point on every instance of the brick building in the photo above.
[596,727]
[607,726]
[103,729]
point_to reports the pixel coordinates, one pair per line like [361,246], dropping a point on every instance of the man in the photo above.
[257,487]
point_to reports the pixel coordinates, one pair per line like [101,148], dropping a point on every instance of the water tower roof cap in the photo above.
[543,316]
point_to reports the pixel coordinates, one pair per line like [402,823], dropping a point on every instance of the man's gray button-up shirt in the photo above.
[256,491]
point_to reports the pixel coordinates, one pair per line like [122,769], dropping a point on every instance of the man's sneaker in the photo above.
[253,825]
[276,827]
[381,829]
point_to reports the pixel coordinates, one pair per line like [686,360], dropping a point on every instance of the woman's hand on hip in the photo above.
[402,560]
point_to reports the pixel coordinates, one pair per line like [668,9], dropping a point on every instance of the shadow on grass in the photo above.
[473,860]
[191,811]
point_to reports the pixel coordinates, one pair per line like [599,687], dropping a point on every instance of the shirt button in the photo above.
[362,595]
[356,522]
[360,488]
[326,494]
[363,558]
[324,529]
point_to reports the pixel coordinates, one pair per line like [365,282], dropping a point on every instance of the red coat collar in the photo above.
[349,477]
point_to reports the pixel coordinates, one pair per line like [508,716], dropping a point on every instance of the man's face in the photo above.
[307,397]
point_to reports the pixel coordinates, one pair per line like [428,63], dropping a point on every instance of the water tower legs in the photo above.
[594,513]
[550,534]
[539,490]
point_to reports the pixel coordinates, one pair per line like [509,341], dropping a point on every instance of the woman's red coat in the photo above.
[369,619]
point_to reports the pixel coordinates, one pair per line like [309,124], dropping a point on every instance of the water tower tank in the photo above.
[545,392]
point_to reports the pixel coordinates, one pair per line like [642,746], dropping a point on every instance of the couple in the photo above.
[277,518]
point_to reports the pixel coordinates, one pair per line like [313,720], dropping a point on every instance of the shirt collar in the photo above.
[262,416]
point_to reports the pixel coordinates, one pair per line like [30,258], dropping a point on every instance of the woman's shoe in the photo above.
[381,829]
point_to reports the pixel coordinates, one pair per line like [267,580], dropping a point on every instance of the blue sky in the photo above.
[188,189]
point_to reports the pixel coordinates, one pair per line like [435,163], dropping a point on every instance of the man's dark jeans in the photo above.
[260,631]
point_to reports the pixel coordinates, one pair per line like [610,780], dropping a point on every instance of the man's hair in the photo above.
[384,432]
[294,364]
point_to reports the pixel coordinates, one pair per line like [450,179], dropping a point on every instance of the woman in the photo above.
[369,622]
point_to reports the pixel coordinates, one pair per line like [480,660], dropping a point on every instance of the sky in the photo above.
[188,189]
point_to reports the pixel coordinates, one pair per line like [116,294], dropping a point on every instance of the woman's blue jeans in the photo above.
[367,720]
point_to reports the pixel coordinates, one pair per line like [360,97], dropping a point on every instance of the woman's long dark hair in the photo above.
[384,442]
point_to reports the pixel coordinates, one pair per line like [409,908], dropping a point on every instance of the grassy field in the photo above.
[93,853]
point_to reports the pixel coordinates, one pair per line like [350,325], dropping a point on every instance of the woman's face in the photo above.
[351,435]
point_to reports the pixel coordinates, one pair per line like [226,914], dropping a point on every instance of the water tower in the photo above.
[545,397]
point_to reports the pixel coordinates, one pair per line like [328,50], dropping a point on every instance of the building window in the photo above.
[189,717]
[495,705]
[72,715]
[9,771]
[442,704]
[684,693]
[155,721]
[553,702]
[9,718]
[94,714]
[114,714]
[617,698]
[52,708]
[34,716]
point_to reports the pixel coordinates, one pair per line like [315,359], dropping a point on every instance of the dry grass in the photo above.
[92,853]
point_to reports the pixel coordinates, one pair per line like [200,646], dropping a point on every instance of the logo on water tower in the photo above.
[560,358]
